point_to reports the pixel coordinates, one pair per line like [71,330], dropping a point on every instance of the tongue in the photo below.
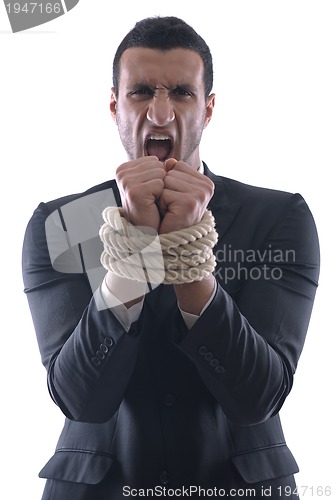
[161,149]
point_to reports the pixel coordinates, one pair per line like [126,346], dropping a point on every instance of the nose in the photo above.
[160,111]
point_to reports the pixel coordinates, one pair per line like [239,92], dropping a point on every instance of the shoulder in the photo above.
[254,200]
[237,191]
[262,211]
[88,193]
[73,210]
[107,190]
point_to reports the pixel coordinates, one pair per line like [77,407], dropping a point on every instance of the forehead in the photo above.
[157,67]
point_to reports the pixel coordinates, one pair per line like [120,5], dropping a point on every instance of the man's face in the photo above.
[161,108]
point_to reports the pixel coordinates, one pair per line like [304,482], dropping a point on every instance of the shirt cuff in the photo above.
[126,316]
[191,319]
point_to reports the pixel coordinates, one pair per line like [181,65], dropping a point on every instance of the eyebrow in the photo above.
[138,86]
[186,86]
[144,85]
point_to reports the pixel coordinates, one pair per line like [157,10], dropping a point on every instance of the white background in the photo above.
[273,127]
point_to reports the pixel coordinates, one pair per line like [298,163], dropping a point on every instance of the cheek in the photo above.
[124,119]
[133,118]
[194,123]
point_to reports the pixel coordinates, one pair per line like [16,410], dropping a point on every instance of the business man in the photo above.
[174,388]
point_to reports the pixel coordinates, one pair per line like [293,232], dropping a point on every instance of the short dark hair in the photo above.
[165,33]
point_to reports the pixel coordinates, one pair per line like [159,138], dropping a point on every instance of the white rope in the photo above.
[177,257]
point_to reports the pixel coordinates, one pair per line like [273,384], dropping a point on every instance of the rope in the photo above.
[177,257]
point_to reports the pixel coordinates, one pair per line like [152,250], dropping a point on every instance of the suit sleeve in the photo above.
[80,341]
[246,349]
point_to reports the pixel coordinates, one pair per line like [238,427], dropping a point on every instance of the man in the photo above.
[172,389]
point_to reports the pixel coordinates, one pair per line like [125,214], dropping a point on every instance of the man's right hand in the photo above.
[141,182]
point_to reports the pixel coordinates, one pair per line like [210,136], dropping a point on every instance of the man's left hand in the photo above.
[185,196]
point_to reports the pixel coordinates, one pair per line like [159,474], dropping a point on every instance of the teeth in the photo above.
[159,137]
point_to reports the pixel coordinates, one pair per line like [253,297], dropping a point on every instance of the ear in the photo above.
[113,105]
[209,108]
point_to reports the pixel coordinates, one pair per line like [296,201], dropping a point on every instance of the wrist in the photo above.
[125,291]
[192,297]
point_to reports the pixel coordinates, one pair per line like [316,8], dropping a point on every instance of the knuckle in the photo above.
[160,174]
[159,183]
[121,169]
[134,193]
[211,186]
[190,203]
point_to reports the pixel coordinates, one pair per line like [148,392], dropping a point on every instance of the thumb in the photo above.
[169,164]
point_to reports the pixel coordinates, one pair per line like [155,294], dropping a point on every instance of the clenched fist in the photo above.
[185,196]
[165,196]
[141,183]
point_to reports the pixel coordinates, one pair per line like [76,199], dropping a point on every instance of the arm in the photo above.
[88,355]
[246,350]
[192,297]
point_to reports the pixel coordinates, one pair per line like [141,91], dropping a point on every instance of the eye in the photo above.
[182,92]
[142,91]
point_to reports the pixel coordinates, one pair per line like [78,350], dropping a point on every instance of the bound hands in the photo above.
[165,196]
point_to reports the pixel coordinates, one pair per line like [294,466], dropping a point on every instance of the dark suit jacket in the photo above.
[160,405]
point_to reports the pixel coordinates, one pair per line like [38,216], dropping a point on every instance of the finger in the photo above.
[179,185]
[185,183]
[191,179]
[137,175]
[144,176]
[140,163]
[169,197]
[144,193]
[182,166]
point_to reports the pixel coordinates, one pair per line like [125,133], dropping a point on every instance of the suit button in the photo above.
[96,361]
[214,362]
[202,350]
[169,400]
[219,369]
[164,477]
[208,356]
[108,341]
[103,348]
[100,354]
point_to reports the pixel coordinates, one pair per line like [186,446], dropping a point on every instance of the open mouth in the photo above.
[158,145]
